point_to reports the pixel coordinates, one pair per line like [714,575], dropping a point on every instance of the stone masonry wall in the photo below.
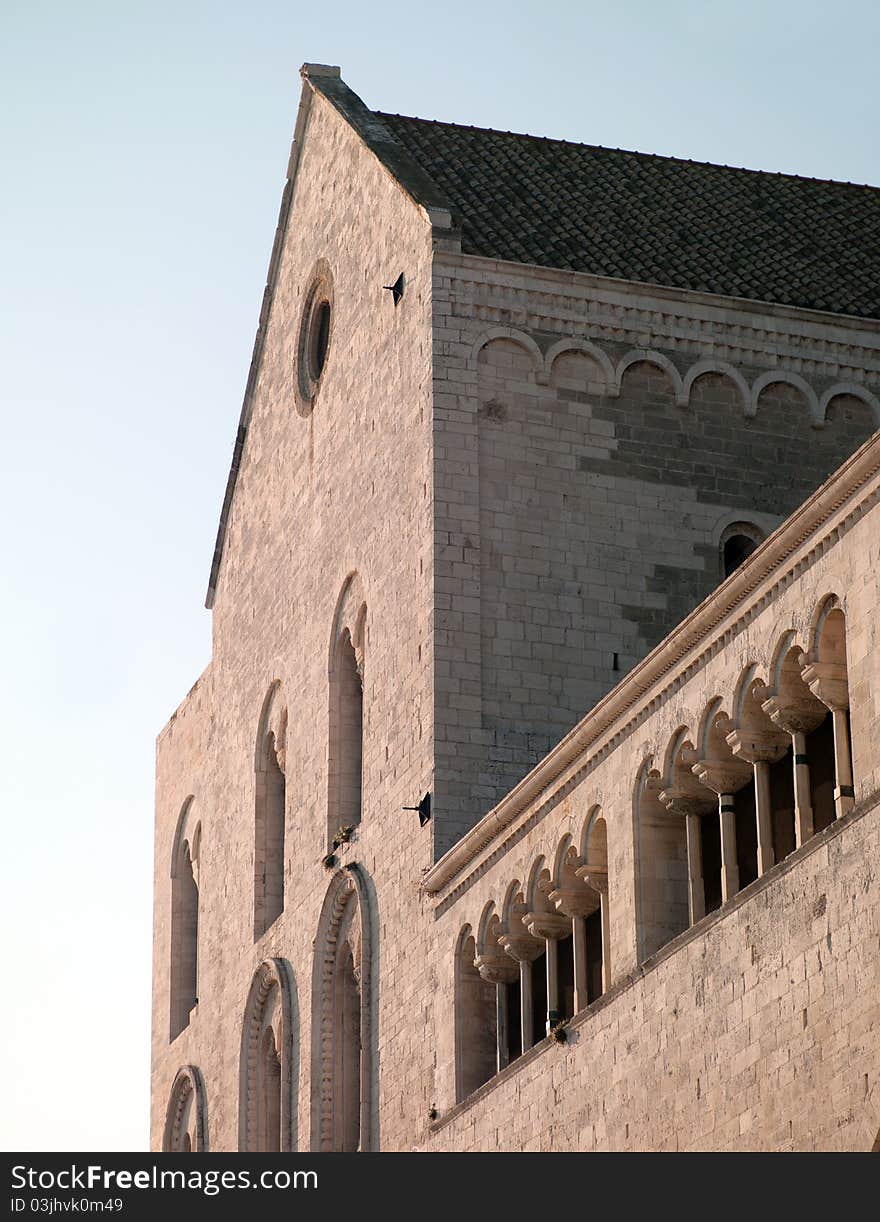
[757,1027]
[345,489]
[583,485]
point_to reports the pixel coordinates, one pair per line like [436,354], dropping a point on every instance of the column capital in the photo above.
[758,745]
[801,714]
[828,683]
[723,776]
[574,901]
[595,876]
[518,942]
[496,967]
[547,925]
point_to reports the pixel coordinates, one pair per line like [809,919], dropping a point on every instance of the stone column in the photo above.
[691,800]
[496,967]
[596,877]
[798,715]
[828,682]
[760,746]
[551,926]
[725,777]
[524,949]
[577,903]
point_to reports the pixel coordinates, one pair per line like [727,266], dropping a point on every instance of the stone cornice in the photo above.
[853,489]
[753,333]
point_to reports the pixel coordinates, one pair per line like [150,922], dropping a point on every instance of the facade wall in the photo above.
[592,443]
[516,509]
[755,1028]
[344,490]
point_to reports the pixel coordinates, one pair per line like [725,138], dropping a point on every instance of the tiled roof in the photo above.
[633,216]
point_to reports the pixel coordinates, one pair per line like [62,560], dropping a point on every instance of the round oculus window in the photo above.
[316,330]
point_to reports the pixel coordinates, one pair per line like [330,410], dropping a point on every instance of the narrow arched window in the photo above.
[738,541]
[342,1019]
[346,738]
[270,814]
[829,748]
[476,1014]
[266,1099]
[184,921]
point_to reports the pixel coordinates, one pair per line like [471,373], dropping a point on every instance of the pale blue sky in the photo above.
[144,147]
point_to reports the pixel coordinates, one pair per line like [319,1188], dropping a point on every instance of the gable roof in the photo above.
[660,220]
[630,216]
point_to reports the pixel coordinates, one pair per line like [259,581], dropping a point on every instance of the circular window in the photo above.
[316,330]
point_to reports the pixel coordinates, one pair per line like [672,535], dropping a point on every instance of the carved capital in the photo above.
[723,776]
[758,745]
[828,683]
[574,901]
[595,876]
[547,925]
[796,715]
[684,800]
[496,967]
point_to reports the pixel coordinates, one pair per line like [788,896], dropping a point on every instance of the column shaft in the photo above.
[764,817]
[696,887]
[729,867]
[803,805]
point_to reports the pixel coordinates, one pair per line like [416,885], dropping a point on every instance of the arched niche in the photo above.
[186,1124]
[342,1018]
[266,1081]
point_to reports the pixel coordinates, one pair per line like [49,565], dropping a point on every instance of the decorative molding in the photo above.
[188,1089]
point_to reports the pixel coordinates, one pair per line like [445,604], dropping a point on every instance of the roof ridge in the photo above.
[605,148]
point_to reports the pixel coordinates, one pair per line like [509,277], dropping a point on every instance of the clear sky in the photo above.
[144,147]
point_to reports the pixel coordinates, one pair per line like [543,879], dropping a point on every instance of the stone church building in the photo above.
[530,798]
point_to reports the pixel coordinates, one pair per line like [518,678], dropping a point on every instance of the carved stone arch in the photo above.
[269,1005]
[187,835]
[602,359]
[272,722]
[856,392]
[704,728]
[821,611]
[513,896]
[721,367]
[509,333]
[594,813]
[649,356]
[565,844]
[786,643]
[747,677]
[537,868]
[343,943]
[186,1117]
[677,741]
[771,377]
[487,917]
[350,615]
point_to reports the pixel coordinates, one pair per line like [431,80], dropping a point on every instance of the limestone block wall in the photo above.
[342,490]
[593,443]
[756,1027]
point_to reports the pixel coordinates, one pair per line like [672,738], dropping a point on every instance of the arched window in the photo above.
[266,1118]
[185,1118]
[342,1022]
[476,1025]
[184,919]
[270,813]
[825,673]
[345,755]
[738,541]
[663,909]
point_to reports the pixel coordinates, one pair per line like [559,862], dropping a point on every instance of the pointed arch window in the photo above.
[183,976]
[270,814]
